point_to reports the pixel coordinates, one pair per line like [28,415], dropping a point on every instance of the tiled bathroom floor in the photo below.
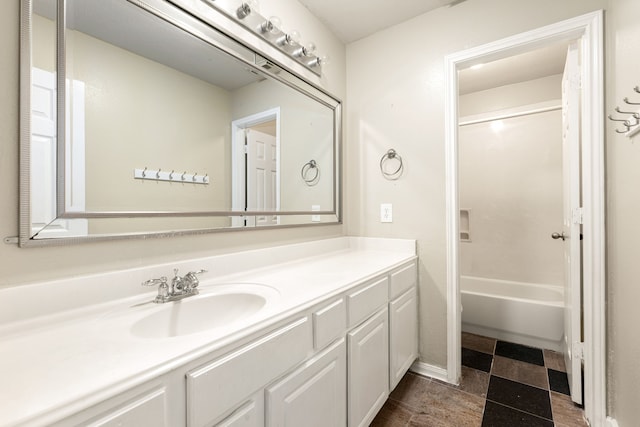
[503,385]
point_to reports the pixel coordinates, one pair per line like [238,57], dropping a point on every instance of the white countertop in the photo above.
[73,357]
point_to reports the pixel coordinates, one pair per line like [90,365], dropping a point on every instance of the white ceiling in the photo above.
[351,20]
[543,62]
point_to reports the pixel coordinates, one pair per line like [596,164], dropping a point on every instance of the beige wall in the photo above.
[623,206]
[510,96]
[305,133]
[140,113]
[511,180]
[19,266]
[395,98]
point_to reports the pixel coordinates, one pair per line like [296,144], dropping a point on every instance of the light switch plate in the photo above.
[315,218]
[386,212]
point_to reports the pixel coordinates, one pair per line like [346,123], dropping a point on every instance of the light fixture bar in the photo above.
[269,29]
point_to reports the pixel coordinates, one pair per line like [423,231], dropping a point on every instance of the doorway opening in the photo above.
[586,32]
[256,168]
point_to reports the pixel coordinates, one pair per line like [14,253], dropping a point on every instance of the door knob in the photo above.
[557,236]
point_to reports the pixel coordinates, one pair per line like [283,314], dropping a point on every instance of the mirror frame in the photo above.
[209,25]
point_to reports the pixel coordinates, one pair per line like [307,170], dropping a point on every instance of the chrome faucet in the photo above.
[181,287]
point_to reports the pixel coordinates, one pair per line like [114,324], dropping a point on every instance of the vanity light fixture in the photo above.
[271,31]
[272,25]
[288,39]
[246,8]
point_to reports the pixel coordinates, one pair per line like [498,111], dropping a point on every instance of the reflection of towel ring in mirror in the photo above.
[309,178]
[390,155]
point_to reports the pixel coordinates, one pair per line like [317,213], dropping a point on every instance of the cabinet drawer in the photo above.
[402,280]
[314,395]
[148,409]
[329,323]
[217,387]
[365,300]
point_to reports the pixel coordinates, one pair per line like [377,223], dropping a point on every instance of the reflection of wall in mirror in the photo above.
[306,132]
[153,116]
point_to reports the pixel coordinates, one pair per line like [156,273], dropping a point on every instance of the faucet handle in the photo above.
[192,279]
[153,282]
[163,289]
[199,271]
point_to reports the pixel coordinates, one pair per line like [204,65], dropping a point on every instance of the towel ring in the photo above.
[309,179]
[390,155]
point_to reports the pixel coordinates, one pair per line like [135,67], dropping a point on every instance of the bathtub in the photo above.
[524,313]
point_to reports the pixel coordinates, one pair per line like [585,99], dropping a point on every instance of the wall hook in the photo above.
[625,123]
[626,100]
[158,173]
[144,172]
[633,113]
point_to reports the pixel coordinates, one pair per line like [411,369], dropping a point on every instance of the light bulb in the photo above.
[246,7]
[293,38]
[273,25]
[320,61]
[309,48]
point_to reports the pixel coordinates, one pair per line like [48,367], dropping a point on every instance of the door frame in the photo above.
[588,31]
[238,161]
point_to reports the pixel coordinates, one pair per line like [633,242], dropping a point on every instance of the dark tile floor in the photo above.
[503,385]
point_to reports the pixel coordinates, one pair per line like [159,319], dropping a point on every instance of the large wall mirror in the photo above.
[140,119]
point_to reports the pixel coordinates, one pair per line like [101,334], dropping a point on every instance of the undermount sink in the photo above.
[202,312]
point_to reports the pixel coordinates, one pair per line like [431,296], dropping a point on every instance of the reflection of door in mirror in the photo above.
[262,175]
[256,173]
[44,156]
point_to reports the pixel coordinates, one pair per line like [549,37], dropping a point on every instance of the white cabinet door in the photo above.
[403,335]
[368,368]
[221,385]
[249,414]
[314,395]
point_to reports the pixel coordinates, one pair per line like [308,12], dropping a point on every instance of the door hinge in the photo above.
[245,148]
[578,350]
[577,216]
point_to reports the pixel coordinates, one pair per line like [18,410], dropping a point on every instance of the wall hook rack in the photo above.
[160,175]
[631,123]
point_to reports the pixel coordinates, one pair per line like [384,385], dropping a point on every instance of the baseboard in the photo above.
[429,370]
[611,422]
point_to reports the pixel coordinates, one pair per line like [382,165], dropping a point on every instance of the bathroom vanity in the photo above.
[313,334]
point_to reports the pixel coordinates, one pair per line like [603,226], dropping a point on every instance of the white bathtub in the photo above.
[524,313]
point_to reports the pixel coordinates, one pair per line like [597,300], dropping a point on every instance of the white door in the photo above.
[44,155]
[572,220]
[43,149]
[262,175]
